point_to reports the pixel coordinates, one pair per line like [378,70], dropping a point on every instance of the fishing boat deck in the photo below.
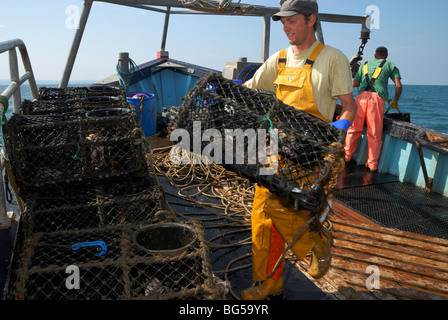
[395,228]
[376,226]
[389,203]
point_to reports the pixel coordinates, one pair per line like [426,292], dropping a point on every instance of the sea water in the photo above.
[426,104]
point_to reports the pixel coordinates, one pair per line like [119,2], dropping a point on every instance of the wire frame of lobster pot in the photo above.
[78,93]
[107,264]
[286,150]
[45,107]
[61,149]
[134,200]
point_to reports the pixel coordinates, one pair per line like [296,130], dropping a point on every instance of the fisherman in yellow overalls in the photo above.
[311,77]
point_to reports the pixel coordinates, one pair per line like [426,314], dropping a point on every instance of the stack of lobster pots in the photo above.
[78,160]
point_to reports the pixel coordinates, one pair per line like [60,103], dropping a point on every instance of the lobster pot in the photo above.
[73,93]
[83,105]
[68,148]
[125,201]
[42,267]
[110,267]
[286,150]
[174,264]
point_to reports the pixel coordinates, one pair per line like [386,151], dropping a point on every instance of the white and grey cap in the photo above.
[293,7]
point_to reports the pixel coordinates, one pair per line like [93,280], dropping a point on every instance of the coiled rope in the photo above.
[125,77]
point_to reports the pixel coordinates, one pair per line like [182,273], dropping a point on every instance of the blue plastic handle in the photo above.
[102,244]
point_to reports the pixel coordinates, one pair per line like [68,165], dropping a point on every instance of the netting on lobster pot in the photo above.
[43,265]
[112,263]
[289,151]
[220,103]
[85,104]
[106,203]
[73,147]
[46,93]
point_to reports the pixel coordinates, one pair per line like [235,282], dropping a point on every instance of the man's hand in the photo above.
[341,124]
[394,104]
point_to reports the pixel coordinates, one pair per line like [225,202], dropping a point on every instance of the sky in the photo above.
[413,31]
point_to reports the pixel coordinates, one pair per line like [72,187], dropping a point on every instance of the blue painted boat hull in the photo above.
[168,79]
[400,155]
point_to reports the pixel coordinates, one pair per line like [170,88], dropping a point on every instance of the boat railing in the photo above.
[440,145]
[13,90]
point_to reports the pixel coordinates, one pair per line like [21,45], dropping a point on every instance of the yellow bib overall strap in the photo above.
[294,84]
[375,75]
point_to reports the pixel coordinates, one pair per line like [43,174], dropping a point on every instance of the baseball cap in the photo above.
[293,7]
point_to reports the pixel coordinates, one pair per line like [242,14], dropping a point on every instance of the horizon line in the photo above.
[7,82]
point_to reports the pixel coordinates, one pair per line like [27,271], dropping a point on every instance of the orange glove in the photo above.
[394,104]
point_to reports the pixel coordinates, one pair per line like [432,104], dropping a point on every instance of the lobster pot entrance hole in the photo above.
[165,238]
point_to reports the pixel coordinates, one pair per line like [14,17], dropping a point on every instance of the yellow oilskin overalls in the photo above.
[293,88]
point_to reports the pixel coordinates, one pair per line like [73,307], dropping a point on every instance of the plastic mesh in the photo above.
[310,152]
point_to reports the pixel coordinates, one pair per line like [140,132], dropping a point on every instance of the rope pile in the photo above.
[192,181]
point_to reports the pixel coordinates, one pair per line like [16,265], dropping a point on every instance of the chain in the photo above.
[355,61]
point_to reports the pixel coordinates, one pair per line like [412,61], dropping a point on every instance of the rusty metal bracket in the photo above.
[433,145]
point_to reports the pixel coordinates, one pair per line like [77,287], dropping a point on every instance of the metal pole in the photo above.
[123,65]
[14,76]
[123,61]
[29,69]
[320,34]
[75,44]
[266,38]
[165,28]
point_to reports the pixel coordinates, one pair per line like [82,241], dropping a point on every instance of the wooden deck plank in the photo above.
[393,243]
[407,274]
[412,266]
[389,262]
[393,232]
[343,213]
[390,280]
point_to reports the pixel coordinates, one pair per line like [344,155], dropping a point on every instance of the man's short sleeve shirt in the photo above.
[389,71]
[330,77]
